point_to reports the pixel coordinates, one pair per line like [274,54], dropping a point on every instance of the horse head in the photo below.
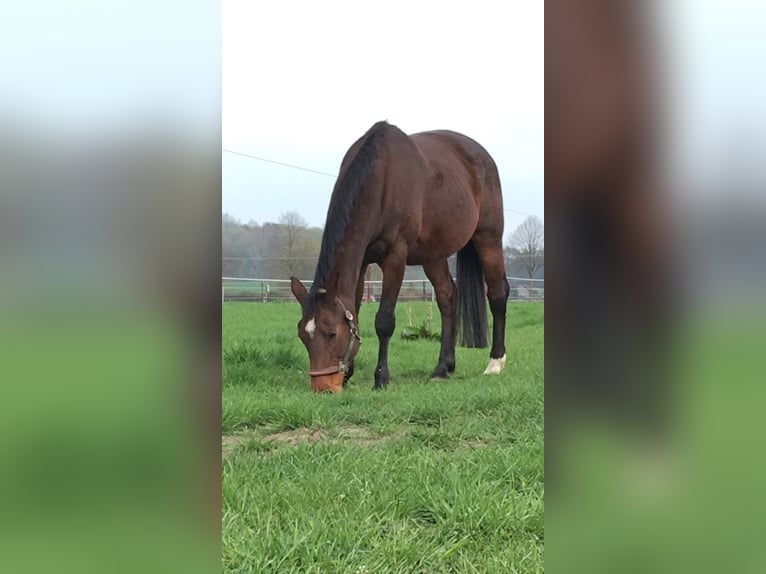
[330,333]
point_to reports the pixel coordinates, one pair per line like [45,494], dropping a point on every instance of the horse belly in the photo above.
[446,227]
[425,254]
[439,244]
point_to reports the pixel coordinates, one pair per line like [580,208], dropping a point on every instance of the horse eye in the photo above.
[333,335]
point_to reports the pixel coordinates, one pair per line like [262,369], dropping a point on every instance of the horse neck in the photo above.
[348,254]
[348,264]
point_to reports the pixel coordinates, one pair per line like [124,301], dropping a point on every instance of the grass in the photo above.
[427,476]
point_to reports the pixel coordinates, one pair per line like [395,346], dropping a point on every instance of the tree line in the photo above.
[270,250]
[290,247]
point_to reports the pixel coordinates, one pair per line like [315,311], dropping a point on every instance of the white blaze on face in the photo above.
[311,327]
[495,366]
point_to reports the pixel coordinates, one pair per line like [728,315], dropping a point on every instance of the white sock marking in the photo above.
[495,366]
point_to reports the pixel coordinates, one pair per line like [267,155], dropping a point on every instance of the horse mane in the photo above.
[342,203]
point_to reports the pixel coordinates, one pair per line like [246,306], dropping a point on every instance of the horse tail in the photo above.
[471,300]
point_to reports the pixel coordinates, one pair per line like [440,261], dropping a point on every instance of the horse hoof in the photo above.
[440,374]
[495,366]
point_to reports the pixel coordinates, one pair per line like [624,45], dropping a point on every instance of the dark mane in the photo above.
[342,202]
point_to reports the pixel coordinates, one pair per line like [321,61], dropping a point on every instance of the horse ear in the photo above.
[298,290]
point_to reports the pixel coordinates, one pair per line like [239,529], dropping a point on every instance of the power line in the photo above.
[333,175]
[520,212]
[279,163]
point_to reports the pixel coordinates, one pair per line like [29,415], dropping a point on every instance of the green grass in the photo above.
[427,476]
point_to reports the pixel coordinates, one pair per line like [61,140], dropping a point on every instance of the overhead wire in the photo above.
[333,175]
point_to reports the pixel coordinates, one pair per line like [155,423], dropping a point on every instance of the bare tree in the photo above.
[527,245]
[293,237]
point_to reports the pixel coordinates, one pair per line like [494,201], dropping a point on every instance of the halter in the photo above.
[342,367]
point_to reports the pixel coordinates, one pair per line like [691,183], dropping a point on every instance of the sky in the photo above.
[713,66]
[303,80]
[101,68]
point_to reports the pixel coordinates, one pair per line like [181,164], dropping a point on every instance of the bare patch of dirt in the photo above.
[297,436]
[351,435]
[232,441]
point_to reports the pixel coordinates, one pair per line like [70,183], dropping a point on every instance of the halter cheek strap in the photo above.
[342,367]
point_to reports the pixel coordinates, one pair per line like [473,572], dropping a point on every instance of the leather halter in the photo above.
[342,367]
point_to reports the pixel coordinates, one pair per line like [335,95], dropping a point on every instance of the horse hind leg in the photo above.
[489,247]
[444,288]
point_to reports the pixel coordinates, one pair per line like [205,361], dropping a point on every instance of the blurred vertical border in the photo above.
[655,260]
[110,318]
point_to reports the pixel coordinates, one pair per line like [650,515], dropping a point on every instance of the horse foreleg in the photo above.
[385,320]
[444,288]
[360,288]
[358,302]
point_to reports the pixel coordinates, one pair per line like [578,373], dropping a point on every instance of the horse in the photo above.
[407,200]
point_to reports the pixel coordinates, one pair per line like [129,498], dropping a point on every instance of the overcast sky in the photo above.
[302,81]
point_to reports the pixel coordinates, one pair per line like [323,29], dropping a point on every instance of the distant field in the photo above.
[427,476]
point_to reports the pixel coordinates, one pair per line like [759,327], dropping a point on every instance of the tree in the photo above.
[527,245]
[293,234]
[271,250]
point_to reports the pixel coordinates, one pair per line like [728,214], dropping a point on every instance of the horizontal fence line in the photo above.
[375,281]
[315,257]
[257,289]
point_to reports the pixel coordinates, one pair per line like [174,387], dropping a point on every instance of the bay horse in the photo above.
[407,200]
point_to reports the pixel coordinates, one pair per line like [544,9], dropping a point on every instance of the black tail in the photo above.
[471,300]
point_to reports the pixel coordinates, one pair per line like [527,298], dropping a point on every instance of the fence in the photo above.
[247,289]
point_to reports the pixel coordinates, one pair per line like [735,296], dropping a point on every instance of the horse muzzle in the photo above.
[323,383]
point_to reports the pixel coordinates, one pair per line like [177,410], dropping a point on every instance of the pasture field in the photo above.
[424,477]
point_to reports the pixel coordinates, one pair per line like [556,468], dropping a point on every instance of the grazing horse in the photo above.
[407,200]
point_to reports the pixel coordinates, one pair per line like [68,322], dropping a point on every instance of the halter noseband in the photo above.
[342,367]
